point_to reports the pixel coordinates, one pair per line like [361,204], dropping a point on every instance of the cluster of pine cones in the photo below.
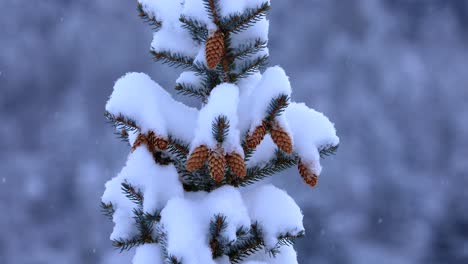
[151,140]
[284,142]
[217,161]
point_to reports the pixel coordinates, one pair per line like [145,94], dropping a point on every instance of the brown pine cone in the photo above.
[236,163]
[217,162]
[141,139]
[214,49]
[197,158]
[309,177]
[281,139]
[156,142]
[254,139]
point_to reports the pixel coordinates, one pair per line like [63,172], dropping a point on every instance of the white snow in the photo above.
[186,233]
[148,254]
[132,136]
[227,201]
[274,83]
[223,260]
[172,37]
[196,9]
[275,211]
[201,57]
[175,40]
[135,96]
[163,10]
[246,87]
[187,222]
[138,97]
[263,153]
[157,183]
[311,130]
[223,101]
[190,77]
[124,227]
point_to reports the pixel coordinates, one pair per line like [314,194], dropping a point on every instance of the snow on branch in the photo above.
[149,18]
[217,120]
[191,90]
[198,30]
[264,203]
[249,67]
[175,60]
[137,102]
[142,184]
[135,97]
[314,133]
[270,97]
[276,107]
[280,162]
[244,51]
[218,225]
[148,254]
[249,245]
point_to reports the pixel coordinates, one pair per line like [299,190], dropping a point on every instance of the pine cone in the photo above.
[254,139]
[156,142]
[281,139]
[197,158]
[217,162]
[309,177]
[214,49]
[236,163]
[141,139]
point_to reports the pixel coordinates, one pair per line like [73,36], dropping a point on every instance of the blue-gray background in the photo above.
[392,75]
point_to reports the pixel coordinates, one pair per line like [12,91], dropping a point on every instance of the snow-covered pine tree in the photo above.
[193,189]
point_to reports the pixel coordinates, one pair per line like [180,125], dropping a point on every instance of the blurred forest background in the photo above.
[391,74]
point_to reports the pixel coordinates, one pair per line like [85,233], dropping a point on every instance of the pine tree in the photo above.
[180,197]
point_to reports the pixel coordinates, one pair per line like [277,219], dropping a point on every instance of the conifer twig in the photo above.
[277,107]
[197,29]
[132,193]
[249,67]
[107,209]
[239,22]
[155,23]
[173,59]
[328,150]
[246,50]
[212,7]
[220,128]
[217,225]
